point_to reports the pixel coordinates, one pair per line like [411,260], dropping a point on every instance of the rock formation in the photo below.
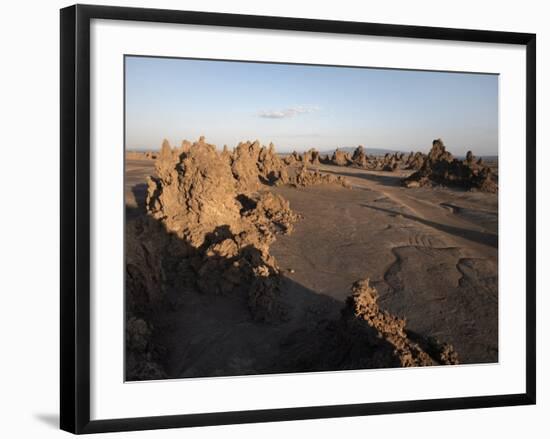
[359,159]
[208,227]
[365,337]
[340,158]
[145,275]
[253,165]
[142,355]
[441,168]
[293,158]
[390,162]
[304,177]
[215,205]
[237,261]
[363,310]
[145,281]
[193,191]
[243,166]
[438,152]
[415,161]
[311,157]
[271,168]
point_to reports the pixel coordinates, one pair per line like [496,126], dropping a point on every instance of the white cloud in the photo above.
[288,112]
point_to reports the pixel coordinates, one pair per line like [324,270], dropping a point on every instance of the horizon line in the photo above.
[321,151]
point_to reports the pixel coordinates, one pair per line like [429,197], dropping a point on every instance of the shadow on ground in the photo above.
[485,238]
[384,180]
[196,327]
[49,419]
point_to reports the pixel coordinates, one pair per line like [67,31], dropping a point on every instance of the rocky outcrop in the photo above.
[244,166]
[362,309]
[359,159]
[238,261]
[365,337]
[438,152]
[208,228]
[293,158]
[213,203]
[311,157]
[271,169]
[390,162]
[304,177]
[340,158]
[222,261]
[441,168]
[145,276]
[145,290]
[415,161]
[194,191]
[253,165]
[142,355]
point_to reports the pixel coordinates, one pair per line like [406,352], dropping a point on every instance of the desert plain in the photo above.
[245,261]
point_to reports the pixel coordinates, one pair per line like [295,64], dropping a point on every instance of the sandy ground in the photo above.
[431,253]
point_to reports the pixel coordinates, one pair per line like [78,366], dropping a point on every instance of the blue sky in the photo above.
[298,107]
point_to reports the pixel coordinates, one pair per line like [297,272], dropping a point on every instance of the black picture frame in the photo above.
[75,217]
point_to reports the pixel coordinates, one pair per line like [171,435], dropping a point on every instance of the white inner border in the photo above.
[112,398]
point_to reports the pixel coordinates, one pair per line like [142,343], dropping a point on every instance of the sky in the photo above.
[298,107]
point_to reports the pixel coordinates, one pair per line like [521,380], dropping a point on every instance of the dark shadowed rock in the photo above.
[359,159]
[363,309]
[365,337]
[415,161]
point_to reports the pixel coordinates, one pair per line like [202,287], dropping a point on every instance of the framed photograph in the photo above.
[268,218]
